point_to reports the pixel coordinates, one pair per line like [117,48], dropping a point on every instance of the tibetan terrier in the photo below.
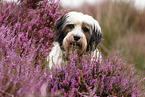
[78,31]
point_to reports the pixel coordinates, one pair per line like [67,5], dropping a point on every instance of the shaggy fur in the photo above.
[78,31]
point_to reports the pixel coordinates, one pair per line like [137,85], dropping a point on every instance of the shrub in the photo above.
[31,24]
[26,34]
[112,77]
[25,37]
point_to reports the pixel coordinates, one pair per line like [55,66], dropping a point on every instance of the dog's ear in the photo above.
[95,39]
[97,36]
[58,35]
[60,22]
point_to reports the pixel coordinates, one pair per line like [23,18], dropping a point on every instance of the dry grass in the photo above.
[132,46]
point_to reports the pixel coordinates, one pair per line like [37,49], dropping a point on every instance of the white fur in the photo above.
[96,56]
[78,17]
[55,56]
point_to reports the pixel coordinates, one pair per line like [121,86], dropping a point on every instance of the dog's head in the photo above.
[78,30]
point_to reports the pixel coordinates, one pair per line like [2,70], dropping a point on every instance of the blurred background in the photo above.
[123,27]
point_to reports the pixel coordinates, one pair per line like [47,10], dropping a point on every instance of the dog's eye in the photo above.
[71,26]
[85,29]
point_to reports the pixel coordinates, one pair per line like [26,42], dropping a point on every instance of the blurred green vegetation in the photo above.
[123,28]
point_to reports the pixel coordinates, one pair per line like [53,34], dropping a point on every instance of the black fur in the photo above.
[95,39]
[58,35]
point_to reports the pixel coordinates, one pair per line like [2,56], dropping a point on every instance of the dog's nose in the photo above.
[76,38]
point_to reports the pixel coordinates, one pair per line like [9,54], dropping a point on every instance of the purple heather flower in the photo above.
[26,35]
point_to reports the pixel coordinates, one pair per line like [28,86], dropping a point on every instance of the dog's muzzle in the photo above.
[74,43]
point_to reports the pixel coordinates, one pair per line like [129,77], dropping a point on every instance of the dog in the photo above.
[78,31]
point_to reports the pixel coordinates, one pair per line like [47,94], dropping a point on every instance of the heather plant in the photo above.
[15,65]
[36,24]
[85,79]
[91,79]
[26,35]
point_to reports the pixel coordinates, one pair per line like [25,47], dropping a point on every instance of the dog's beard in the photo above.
[74,47]
[74,51]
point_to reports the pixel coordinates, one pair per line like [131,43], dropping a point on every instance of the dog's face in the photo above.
[77,30]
